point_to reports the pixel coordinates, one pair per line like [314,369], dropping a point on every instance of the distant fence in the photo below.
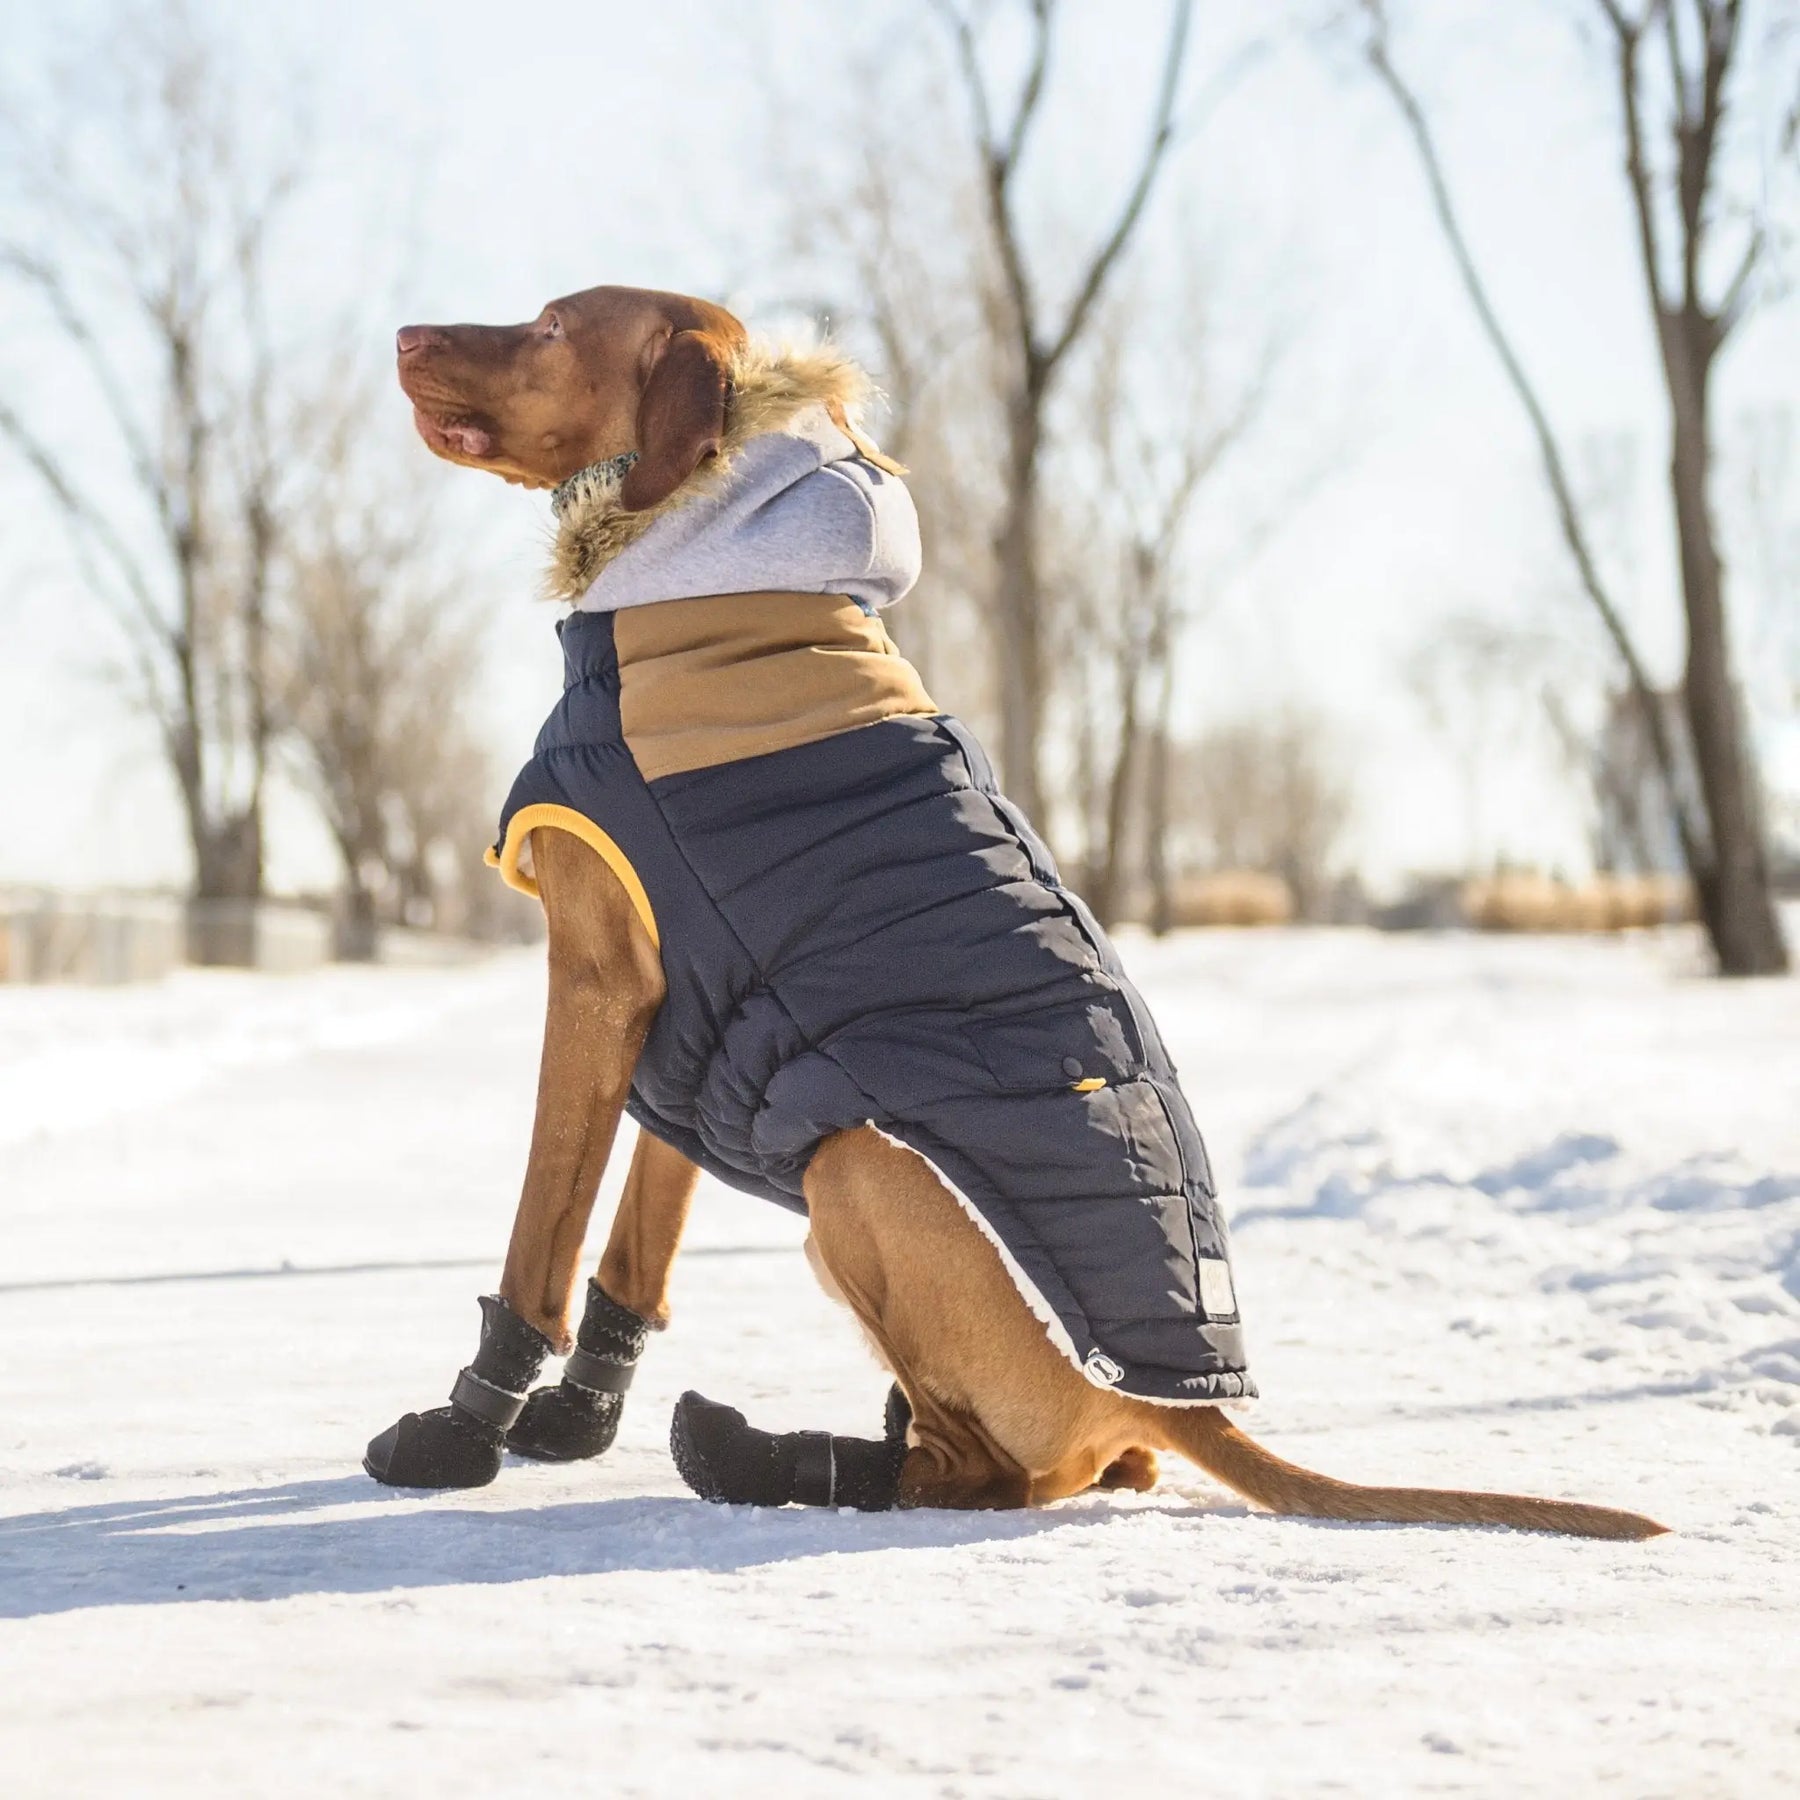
[1519,901]
[257,934]
[65,937]
[105,939]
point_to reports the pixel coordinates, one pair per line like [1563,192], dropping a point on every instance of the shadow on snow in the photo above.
[257,1543]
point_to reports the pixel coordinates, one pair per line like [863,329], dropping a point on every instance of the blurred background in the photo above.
[1356,445]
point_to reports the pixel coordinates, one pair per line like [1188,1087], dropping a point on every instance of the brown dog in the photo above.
[999,1416]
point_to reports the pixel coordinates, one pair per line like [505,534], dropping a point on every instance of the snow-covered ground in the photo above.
[1512,1213]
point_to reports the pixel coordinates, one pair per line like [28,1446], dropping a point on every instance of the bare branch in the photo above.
[1735,301]
[1000,160]
[1697,136]
[38,275]
[1033,90]
[1678,75]
[1629,35]
[962,35]
[85,519]
[1162,134]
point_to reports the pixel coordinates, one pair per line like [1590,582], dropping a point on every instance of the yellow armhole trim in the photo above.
[1092,1085]
[565,818]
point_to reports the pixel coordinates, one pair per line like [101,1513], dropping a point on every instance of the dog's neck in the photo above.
[770,388]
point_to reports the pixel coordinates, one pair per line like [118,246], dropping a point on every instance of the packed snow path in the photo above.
[1507,1213]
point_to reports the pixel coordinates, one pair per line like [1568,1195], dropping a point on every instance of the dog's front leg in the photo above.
[605,986]
[579,1417]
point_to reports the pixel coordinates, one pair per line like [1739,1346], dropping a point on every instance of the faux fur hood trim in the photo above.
[771,385]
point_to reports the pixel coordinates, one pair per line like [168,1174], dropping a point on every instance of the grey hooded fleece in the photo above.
[801,511]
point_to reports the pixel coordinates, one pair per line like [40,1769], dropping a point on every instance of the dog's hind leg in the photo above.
[950,1460]
[932,1293]
[606,984]
[999,1417]
[932,1453]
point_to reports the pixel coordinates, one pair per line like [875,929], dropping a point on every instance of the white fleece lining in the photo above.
[1041,1309]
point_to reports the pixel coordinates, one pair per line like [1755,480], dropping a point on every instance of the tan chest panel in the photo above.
[716,679]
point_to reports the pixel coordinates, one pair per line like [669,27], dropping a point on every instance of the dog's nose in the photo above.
[414,337]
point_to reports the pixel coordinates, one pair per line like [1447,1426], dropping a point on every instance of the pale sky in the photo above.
[501,156]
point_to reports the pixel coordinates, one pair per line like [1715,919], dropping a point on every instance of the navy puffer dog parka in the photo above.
[861,929]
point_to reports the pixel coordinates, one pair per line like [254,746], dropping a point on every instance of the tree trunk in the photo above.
[1156,819]
[1732,886]
[1018,622]
[357,931]
[221,910]
[1110,889]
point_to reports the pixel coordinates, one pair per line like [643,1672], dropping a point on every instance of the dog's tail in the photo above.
[1206,1436]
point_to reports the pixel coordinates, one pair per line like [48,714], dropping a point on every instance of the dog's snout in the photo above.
[410,338]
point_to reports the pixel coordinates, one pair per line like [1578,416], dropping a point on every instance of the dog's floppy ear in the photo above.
[681,418]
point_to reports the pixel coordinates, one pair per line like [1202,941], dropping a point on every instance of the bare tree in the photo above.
[1485,686]
[1038,348]
[378,664]
[1496,691]
[1269,795]
[147,218]
[1632,831]
[1022,616]
[1159,432]
[905,239]
[1676,203]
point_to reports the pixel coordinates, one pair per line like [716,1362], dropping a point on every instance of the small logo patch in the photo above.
[1101,1370]
[1218,1298]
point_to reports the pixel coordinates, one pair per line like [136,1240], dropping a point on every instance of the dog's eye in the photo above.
[553,326]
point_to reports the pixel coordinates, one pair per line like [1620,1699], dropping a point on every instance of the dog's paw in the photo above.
[443,1448]
[1135,1469]
[724,1458]
[566,1424]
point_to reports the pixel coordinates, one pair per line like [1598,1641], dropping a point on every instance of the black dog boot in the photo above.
[462,1445]
[579,1417]
[723,1458]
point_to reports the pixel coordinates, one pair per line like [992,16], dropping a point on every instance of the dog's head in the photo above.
[598,375]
